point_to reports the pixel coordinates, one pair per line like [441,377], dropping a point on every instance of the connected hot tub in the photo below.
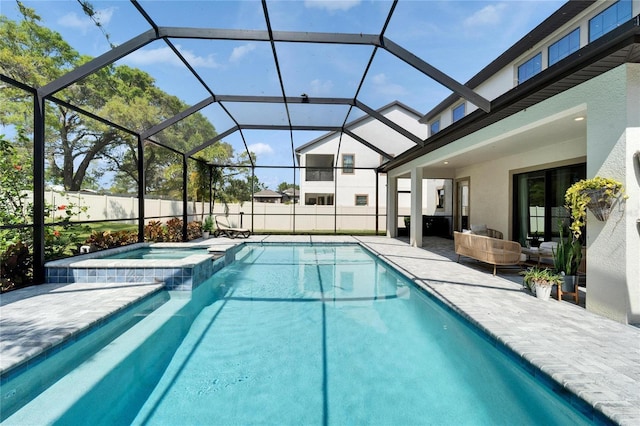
[180,268]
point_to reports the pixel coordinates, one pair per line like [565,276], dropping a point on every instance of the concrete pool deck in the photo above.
[594,358]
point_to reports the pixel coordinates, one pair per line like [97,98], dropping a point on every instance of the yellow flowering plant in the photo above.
[597,191]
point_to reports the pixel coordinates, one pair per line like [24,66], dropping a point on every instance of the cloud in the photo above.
[260,148]
[240,52]
[332,5]
[164,55]
[489,15]
[382,85]
[83,22]
[320,87]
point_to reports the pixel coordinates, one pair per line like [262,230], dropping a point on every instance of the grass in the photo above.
[105,226]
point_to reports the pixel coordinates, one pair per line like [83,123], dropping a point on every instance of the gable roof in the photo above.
[267,193]
[358,121]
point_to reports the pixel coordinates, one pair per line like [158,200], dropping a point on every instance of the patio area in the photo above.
[593,361]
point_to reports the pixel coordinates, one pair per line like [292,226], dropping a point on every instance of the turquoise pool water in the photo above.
[157,253]
[294,335]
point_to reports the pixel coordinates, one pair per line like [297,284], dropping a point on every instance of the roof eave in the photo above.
[558,78]
[560,17]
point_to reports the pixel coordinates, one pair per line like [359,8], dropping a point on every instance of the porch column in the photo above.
[392,207]
[415,234]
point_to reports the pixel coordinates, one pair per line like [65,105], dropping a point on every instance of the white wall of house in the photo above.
[613,247]
[361,182]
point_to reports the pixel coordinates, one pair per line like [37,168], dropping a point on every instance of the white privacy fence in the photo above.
[266,216]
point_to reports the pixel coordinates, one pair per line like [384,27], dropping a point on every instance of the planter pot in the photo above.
[600,204]
[543,291]
[568,283]
[205,234]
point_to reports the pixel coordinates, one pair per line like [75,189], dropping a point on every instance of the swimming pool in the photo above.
[300,335]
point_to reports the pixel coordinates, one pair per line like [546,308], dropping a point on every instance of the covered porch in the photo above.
[583,127]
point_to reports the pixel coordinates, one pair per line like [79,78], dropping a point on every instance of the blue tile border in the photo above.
[178,277]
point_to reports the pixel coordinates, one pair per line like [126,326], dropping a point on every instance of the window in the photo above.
[319,168]
[458,112]
[348,163]
[609,19]
[435,127]
[362,200]
[564,47]
[440,198]
[318,199]
[538,202]
[530,68]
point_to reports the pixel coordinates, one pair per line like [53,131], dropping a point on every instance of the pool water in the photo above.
[157,253]
[306,335]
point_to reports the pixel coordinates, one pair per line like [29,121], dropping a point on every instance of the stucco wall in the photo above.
[613,247]
[492,180]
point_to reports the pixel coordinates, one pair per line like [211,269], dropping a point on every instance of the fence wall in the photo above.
[266,216]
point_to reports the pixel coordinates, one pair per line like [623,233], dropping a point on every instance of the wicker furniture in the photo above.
[487,249]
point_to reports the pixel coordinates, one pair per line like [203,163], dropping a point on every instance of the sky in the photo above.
[457,37]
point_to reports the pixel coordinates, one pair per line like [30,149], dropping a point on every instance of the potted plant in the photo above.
[541,280]
[566,260]
[207,227]
[597,194]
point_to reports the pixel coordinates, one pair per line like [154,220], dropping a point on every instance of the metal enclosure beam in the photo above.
[180,116]
[141,189]
[97,63]
[38,188]
[375,114]
[185,213]
[436,74]
[288,99]
[260,35]
[367,144]
[287,127]
[211,141]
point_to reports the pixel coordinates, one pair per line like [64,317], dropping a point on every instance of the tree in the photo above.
[284,186]
[81,150]
[35,55]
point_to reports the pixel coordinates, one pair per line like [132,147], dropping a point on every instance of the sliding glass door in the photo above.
[539,202]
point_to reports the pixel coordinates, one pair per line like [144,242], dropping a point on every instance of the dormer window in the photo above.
[458,112]
[530,68]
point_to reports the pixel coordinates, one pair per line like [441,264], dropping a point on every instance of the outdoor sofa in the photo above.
[491,250]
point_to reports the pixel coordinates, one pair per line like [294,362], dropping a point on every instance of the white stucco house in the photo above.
[356,155]
[565,105]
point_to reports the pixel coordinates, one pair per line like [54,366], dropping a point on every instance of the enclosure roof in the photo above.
[278,53]
[281,93]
